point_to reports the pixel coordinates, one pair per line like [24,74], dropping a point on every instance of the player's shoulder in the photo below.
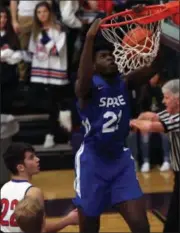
[100,80]
[5,186]
[7,189]
[97,80]
[36,193]
[15,188]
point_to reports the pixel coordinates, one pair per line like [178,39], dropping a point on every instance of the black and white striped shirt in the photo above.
[171,125]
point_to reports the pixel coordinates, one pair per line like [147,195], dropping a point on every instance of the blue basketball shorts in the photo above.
[103,182]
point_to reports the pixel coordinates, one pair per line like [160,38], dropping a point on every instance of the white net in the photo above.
[127,57]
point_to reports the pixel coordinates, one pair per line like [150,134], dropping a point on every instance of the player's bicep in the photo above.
[78,90]
[37,194]
[82,88]
[83,95]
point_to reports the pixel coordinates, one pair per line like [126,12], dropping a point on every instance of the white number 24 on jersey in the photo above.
[111,124]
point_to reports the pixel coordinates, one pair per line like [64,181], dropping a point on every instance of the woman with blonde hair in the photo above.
[49,63]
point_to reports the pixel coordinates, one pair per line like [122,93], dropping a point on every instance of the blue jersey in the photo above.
[105,170]
[106,116]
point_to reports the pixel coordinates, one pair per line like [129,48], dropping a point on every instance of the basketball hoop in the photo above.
[116,27]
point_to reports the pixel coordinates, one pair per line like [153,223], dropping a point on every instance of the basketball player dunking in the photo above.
[23,163]
[105,171]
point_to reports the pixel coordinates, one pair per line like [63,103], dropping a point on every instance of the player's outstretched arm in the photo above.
[55,226]
[86,69]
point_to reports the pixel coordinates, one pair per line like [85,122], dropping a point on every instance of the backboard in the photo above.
[171,40]
[170,32]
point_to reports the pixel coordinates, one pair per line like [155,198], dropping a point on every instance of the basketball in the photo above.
[140,38]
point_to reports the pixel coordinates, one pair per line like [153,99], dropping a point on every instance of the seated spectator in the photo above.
[30,216]
[10,57]
[49,63]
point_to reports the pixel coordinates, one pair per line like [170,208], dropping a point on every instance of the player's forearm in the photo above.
[85,71]
[56,226]
[13,8]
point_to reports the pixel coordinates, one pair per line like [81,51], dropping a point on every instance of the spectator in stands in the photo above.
[102,6]
[30,216]
[151,100]
[69,17]
[10,57]
[22,19]
[49,64]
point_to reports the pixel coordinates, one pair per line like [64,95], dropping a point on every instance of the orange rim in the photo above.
[158,12]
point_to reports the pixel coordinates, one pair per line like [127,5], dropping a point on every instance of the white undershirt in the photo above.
[26,8]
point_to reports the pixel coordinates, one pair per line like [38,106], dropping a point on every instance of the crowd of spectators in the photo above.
[40,43]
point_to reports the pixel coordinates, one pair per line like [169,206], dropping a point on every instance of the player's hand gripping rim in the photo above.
[94,29]
[139,8]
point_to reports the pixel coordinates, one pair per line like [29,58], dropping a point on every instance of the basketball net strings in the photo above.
[130,58]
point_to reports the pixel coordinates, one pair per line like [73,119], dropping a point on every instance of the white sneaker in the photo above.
[165,167]
[49,141]
[145,167]
[65,120]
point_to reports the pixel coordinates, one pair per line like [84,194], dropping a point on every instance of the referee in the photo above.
[167,121]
